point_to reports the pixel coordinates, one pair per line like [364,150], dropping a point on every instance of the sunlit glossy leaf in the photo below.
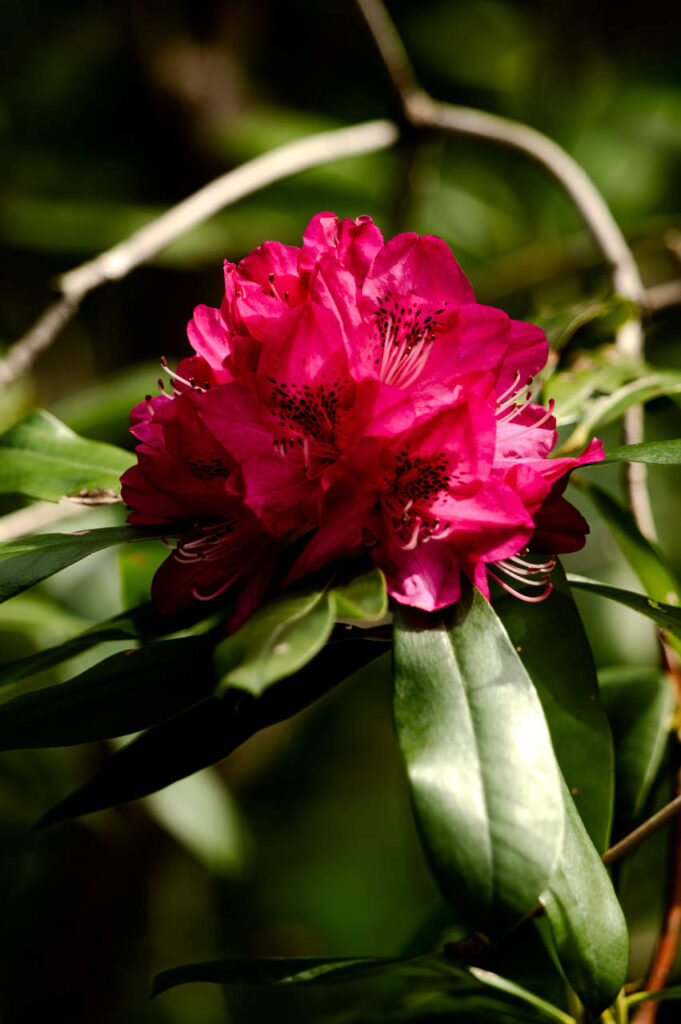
[364,598]
[42,458]
[656,453]
[209,731]
[640,704]
[276,641]
[122,694]
[586,920]
[484,779]
[666,615]
[25,562]
[552,643]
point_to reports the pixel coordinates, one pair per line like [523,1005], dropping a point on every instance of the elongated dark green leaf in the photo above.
[209,731]
[121,627]
[586,920]
[646,560]
[124,693]
[423,971]
[276,971]
[42,458]
[554,648]
[276,641]
[143,622]
[640,704]
[655,453]
[666,615]
[484,778]
[25,562]
[364,598]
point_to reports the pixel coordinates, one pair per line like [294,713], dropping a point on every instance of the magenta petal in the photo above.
[426,577]
[425,266]
[359,241]
[527,354]
[210,338]
[560,528]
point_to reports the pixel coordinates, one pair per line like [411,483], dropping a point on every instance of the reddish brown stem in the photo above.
[665,954]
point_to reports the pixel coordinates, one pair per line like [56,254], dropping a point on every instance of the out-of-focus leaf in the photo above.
[122,694]
[42,458]
[586,920]
[560,325]
[25,562]
[640,704]
[655,453]
[209,731]
[276,641]
[364,598]
[592,375]
[137,564]
[607,408]
[200,814]
[665,615]
[484,778]
[644,557]
[554,648]
[102,410]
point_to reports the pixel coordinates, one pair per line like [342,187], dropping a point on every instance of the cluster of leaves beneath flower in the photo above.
[507,744]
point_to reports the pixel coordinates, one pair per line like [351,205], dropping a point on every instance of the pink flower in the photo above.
[352,396]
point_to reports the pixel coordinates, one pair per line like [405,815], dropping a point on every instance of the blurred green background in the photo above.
[302,843]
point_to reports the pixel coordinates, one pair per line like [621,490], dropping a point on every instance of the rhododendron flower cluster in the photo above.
[351,396]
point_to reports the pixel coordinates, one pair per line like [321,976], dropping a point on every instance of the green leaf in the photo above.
[424,972]
[25,562]
[673,992]
[665,615]
[554,648]
[655,453]
[610,407]
[122,694]
[586,920]
[484,778]
[276,641]
[643,556]
[275,971]
[42,458]
[364,598]
[143,622]
[209,731]
[201,815]
[640,704]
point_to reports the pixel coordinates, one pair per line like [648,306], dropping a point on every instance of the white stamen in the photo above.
[516,593]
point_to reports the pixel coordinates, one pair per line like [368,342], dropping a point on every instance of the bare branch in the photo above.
[36,517]
[150,240]
[652,824]
[424,112]
[23,354]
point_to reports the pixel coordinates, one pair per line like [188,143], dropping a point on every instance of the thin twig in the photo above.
[652,824]
[150,240]
[665,954]
[424,112]
[36,517]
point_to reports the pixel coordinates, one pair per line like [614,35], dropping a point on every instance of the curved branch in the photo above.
[422,111]
[146,243]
